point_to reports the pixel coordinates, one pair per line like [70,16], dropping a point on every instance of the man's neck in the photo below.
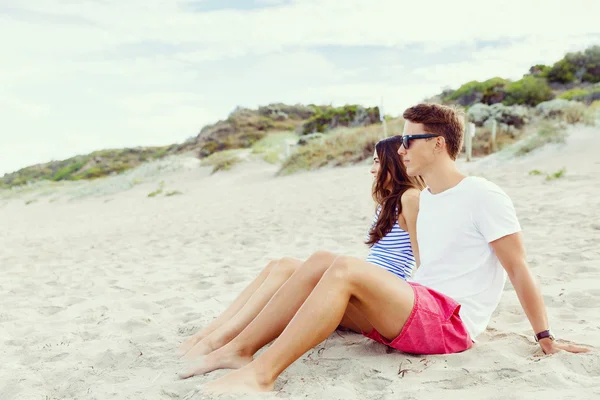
[443,176]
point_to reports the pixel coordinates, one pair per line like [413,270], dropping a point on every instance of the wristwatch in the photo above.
[543,335]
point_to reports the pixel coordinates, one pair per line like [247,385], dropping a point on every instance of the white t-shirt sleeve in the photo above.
[493,213]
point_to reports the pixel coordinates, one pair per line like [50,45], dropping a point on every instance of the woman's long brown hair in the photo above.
[388,194]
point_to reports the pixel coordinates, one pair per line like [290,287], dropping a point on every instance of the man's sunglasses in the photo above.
[407,138]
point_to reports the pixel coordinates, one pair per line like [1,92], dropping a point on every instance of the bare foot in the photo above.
[218,359]
[245,380]
[202,348]
[190,343]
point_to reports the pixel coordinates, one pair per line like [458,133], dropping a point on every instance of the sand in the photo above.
[101,283]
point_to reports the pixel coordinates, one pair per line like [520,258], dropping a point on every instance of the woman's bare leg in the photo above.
[279,274]
[237,305]
[271,321]
[386,302]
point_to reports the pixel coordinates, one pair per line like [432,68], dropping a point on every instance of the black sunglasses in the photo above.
[407,138]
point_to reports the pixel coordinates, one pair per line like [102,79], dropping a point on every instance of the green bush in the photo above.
[540,70]
[562,72]
[577,67]
[573,94]
[588,96]
[328,118]
[68,170]
[490,91]
[94,172]
[556,175]
[528,91]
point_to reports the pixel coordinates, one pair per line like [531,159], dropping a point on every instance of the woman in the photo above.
[264,309]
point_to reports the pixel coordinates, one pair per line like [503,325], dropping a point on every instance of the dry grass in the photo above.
[339,147]
[482,142]
[574,114]
[592,114]
[223,160]
[272,147]
[547,132]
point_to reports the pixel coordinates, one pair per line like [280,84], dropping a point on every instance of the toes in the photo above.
[188,374]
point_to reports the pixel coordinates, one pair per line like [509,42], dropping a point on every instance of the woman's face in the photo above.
[375,166]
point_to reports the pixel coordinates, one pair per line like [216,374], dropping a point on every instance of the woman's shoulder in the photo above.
[410,196]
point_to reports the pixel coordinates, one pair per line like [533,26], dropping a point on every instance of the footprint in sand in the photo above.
[170,302]
[15,342]
[188,330]
[203,285]
[232,280]
[509,373]
[5,317]
[585,269]
[74,300]
[375,383]
[50,310]
[57,357]
[587,299]
[554,301]
[141,306]
[134,324]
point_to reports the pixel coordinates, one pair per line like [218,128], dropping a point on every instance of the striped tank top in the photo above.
[393,251]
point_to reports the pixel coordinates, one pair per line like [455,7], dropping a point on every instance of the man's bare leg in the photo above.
[230,329]
[386,302]
[271,321]
[237,305]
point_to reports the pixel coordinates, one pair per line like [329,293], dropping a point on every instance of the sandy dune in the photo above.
[101,283]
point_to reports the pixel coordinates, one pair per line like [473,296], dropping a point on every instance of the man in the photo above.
[467,229]
[469,241]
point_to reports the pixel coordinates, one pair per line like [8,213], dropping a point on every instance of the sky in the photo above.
[83,75]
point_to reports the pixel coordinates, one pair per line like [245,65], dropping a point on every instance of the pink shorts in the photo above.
[433,327]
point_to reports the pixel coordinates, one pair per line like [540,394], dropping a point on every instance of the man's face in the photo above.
[420,153]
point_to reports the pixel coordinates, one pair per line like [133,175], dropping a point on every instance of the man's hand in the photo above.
[511,253]
[551,346]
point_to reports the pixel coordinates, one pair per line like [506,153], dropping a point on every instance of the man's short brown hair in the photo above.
[444,120]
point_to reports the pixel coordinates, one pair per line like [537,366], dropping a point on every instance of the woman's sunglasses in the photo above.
[407,138]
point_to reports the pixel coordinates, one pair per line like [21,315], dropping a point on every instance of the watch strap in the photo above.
[543,335]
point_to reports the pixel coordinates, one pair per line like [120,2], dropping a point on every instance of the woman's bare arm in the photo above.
[410,210]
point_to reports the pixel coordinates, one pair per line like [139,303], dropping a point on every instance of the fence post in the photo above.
[382,118]
[494,127]
[288,147]
[468,139]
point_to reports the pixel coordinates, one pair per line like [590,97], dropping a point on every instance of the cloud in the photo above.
[80,76]
[219,5]
[510,61]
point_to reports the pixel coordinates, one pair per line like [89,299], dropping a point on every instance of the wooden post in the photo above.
[382,117]
[385,134]
[288,147]
[468,139]
[494,127]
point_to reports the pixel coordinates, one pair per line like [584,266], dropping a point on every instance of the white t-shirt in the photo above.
[454,229]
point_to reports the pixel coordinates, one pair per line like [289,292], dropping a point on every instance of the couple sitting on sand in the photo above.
[464,243]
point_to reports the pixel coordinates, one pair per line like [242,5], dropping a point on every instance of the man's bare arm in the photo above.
[511,253]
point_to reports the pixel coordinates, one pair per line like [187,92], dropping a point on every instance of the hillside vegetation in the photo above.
[243,129]
[575,77]
[566,92]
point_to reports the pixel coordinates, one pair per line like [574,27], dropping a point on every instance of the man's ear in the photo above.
[440,143]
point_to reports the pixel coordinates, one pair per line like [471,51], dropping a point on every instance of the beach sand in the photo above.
[100,283]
